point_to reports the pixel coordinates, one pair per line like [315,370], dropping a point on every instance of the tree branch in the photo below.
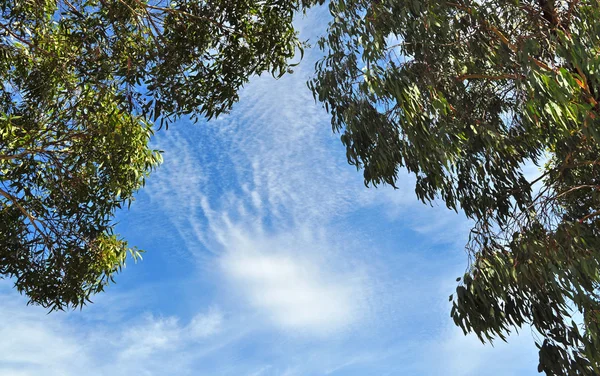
[504,76]
[31,218]
[591,215]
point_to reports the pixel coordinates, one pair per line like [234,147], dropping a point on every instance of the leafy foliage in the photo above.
[81,82]
[464,93]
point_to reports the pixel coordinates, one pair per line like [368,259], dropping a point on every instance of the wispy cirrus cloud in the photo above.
[278,258]
[35,343]
[262,194]
[269,194]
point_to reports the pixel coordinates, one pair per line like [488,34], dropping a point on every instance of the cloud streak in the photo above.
[35,343]
[261,195]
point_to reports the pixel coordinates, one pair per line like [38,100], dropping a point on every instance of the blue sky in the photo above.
[266,255]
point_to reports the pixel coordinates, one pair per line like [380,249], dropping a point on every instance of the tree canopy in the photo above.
[463,94]
[81,83]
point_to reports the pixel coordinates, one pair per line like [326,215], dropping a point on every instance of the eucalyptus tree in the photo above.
[81,84]
[463,94]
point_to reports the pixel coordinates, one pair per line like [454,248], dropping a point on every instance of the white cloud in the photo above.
[261,195]
[66,344]
[285,278]
[30,346]
[287,271]
[461,355]
[163,334]
[206,324]
[212,343]
[151,336]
